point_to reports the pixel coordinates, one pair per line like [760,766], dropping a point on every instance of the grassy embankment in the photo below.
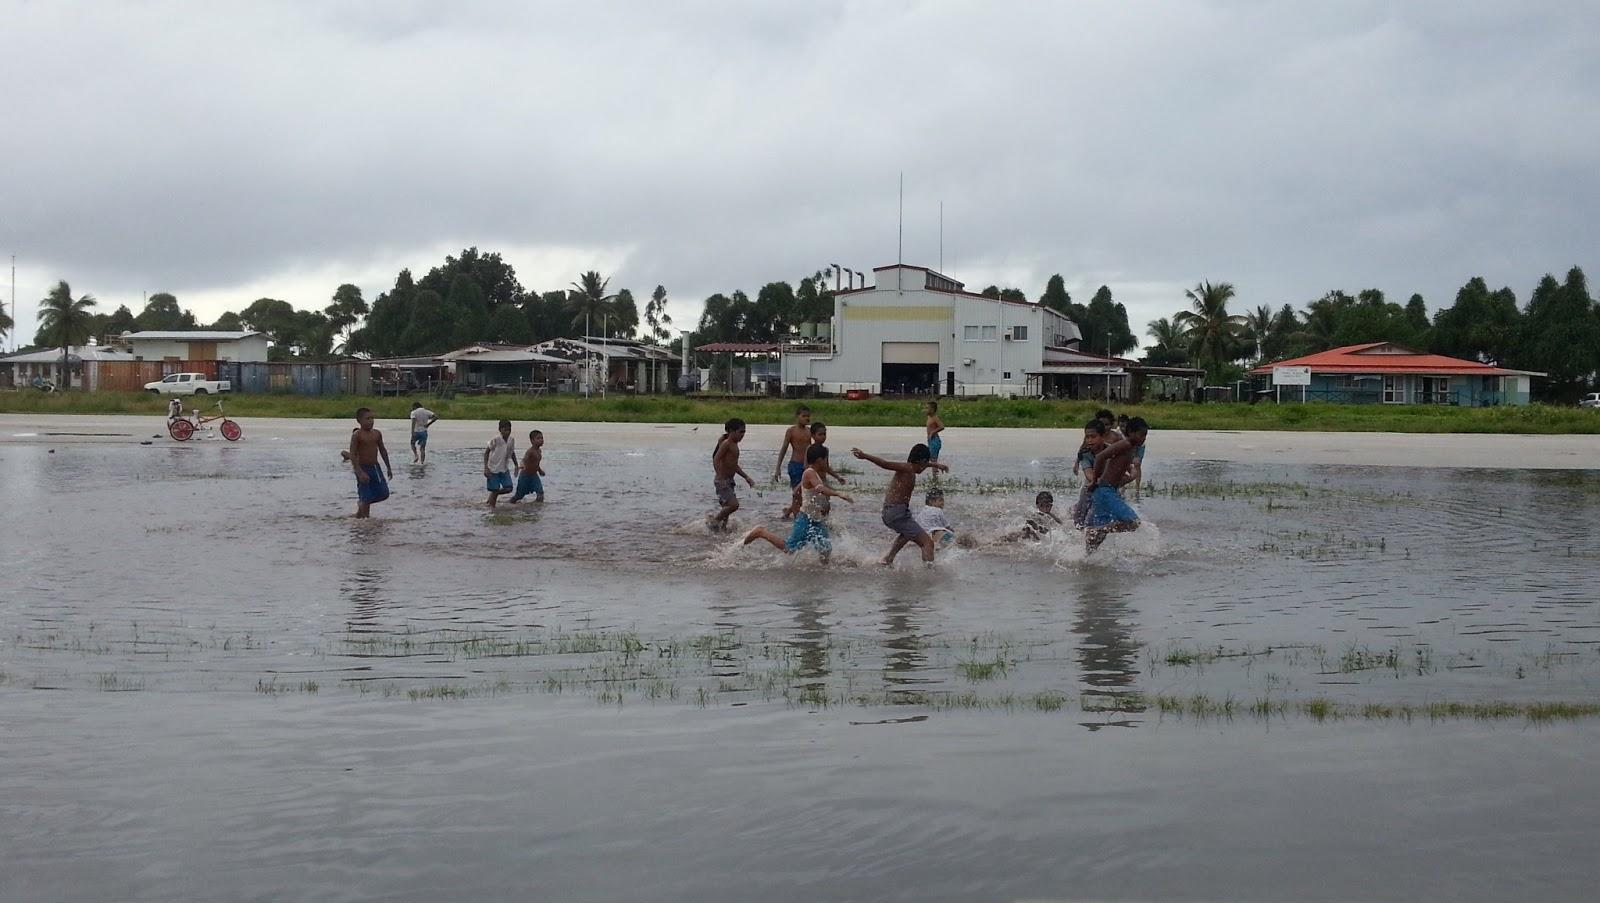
[957,412]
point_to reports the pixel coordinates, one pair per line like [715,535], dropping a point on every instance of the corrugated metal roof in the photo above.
[189,335]
[1364,358]
[79,353]
[738,348]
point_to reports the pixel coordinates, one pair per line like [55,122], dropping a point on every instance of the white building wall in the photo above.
[966,329]
[248,350]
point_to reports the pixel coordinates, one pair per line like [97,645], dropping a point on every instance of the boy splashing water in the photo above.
[1108,513]
[897,500]
[499,460]
[811,522]
[724,467]
[528,482]
[796,440]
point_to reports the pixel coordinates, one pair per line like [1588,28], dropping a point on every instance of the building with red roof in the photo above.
[1387,373]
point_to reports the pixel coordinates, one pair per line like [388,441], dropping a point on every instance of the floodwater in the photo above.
[1302,682]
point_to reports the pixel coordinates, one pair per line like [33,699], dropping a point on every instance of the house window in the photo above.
[1007,375]
[1491,384]
[1394,390]
[1019,333]
[991,333]
[969,333]
[1435,390]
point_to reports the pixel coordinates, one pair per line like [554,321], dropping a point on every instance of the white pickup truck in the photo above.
[188,384]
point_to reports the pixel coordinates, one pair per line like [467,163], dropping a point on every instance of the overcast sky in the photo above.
[225,152]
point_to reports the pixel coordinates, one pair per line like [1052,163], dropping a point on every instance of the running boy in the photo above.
[897,500]
[528,482]
[725,466]
[1108,513]
[796,440]
[811,523]
[366,447]
[421,419]
[934,426]
[499,459]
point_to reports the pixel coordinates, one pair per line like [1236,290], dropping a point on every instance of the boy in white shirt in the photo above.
[931,518]
[421,419]
[499,460]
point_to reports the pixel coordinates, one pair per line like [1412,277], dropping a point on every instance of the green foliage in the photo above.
[588,301]
[228,322]
[430,326]
[1104,324]
[273,317]
[64,321]
[658,322]
[1562,335]
[468,312]
[346,309]
[508,324]
[161,312]
[495,278]
[1214,336]
[1056,297]
[623,316]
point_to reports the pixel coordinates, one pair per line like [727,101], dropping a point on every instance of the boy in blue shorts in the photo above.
[811,522]
[499,460]
[933,426]
[796,439]
[421,419]
[528,482]
[366,447]
[1108,513]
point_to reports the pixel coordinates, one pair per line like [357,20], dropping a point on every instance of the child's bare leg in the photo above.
[899,543]
[925,542]
[720,521]
[363,509]
[764,533]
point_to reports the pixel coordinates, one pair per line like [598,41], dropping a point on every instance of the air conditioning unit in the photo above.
[1009,337]
[968,361]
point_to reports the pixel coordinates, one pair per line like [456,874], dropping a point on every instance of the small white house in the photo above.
[197,345]
[917,331]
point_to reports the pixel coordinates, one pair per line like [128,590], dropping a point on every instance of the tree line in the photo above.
[1557,332]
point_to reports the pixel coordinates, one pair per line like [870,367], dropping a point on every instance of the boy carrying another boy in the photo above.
[499,460]
[724,467]
[366,447]
[528,482]
[897,500]
[1108,513]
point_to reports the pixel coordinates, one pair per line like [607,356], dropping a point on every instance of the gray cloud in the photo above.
[225,151]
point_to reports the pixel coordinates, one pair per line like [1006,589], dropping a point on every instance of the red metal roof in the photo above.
[1365,358]
[738,347]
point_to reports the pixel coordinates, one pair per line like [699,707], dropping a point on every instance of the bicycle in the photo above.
[183,428]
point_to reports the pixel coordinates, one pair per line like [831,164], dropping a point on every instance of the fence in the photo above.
[346,378]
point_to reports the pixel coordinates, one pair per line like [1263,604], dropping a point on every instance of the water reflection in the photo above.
[903,647]
[811,638]
[1108,653]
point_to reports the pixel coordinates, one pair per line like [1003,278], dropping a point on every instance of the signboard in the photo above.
[1291,376]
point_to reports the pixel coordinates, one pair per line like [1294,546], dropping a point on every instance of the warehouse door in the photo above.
[910,368]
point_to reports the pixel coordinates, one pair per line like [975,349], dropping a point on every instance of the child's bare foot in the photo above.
[752,536]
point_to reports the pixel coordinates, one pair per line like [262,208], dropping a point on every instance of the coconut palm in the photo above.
[66,321]
[1258,325]
[5,323]
[1213,334]
[1166,333]
[588,299]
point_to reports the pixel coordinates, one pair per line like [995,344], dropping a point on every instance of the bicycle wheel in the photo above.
[231,431]
[181,430]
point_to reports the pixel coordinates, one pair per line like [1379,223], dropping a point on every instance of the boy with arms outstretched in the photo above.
[897,499]
[366,447]
[724,467]
[528,482]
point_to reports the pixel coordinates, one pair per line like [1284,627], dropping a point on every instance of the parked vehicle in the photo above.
[189,384]
[1592,400]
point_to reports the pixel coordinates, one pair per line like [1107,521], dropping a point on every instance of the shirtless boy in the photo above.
[796,439]
[528,482]
[366,447]
[934,426]
[725,466]
[819,436]
[811,523]
[1108,513]
[897,499]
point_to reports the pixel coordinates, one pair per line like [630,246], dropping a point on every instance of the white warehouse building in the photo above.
[917,331]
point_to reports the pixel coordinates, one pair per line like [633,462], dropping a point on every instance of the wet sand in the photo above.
[1453,450]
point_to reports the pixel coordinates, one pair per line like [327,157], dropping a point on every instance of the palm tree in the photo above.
[1258,323]
[5,323]
[1213,333]
[1167,334]
[588,298]
[66,322]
